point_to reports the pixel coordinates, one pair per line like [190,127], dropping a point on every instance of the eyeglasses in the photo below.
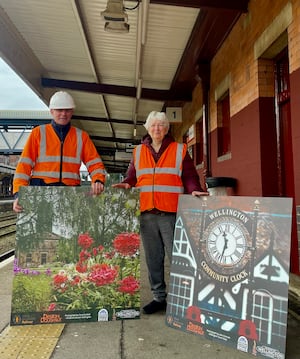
[157,125]
[69,110]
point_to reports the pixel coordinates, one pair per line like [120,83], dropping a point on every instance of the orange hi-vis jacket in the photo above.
[159,183]
[46,157]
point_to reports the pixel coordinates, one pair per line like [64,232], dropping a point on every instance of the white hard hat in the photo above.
[61,100]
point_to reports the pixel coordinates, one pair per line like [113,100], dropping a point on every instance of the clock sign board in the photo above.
[229,275]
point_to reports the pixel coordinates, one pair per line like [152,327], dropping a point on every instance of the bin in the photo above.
[220,186]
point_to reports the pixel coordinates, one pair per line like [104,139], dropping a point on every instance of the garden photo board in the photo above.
[229,275]
[77,256]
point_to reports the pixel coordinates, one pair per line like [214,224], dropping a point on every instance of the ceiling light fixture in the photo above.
[115,17]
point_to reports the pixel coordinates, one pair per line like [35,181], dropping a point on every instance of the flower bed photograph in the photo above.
[77,256]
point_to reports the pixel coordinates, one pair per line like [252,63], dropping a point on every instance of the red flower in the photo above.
[103,274]
[127,244]
[84,255]
[99,266]
[60,280]
[95,251]
[51,307]
[81,268]
[76,280]
[129,285]
[85,241]
[109,255]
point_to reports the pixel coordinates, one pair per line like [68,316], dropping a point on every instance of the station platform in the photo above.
[144,338]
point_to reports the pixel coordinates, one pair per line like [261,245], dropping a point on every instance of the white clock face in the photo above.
[226,243]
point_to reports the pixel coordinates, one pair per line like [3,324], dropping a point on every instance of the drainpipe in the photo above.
[203,76]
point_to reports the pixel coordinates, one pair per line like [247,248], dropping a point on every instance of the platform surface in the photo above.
[145,338]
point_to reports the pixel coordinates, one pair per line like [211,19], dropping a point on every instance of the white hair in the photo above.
[160,116]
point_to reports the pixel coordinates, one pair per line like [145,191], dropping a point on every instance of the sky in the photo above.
[14,93]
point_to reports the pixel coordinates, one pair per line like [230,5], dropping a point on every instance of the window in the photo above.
[269,313]
[190,140]
[199,142]
[43,258]
[223,118]
[28,259]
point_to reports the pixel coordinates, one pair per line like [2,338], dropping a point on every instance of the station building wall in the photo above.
[244,69]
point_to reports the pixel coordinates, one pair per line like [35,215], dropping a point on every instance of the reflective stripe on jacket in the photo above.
[45,156]
[159,183]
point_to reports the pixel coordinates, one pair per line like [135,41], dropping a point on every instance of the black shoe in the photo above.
[154,307]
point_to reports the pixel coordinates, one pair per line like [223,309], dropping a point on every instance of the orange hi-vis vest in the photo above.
[46,157]
[159,183]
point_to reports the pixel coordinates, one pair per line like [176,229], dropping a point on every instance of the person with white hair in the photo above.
[53,153]
[161,169]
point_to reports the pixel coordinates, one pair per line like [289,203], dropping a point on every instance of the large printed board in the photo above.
[77,256]
[230,271]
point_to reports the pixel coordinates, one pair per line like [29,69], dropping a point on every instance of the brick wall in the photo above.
[257,29]
[237,57]
[244,65]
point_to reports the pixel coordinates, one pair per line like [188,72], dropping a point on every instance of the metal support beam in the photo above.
[22,123]
[129,91]
[115,139]
[239,5]
[29,122]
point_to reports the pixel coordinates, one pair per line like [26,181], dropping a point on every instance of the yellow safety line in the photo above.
[29,341]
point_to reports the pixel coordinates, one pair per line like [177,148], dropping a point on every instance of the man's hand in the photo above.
[16,207]
[121,185]
[97,188]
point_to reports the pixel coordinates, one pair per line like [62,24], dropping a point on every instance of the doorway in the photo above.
[283,124]
[286,186]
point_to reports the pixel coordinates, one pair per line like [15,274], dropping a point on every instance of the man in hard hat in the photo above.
[53,153]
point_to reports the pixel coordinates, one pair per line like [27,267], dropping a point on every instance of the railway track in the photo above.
[7,230]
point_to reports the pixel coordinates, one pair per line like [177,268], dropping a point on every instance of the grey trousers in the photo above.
[157,231]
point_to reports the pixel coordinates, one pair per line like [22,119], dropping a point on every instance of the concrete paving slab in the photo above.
[6,279]
[150,338]
[90,341]
[293,338]
[144,338]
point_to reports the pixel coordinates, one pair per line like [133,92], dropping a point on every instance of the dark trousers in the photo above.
[157,232]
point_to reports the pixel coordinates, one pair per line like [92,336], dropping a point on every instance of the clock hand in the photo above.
[225,244]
